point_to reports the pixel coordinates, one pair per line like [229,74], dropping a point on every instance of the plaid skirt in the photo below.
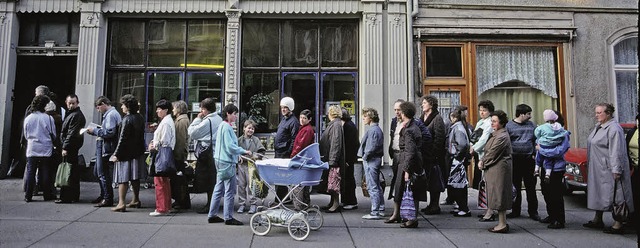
[131,170]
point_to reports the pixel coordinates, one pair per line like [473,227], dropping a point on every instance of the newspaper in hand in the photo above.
[91,125]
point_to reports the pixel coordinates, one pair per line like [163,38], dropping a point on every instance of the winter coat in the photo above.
[497,162]
[70,135]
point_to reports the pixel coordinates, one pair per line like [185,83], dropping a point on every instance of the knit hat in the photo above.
[549,115]
[288,102]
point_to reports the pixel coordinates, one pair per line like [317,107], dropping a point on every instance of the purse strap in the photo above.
[210,133]
[615,190]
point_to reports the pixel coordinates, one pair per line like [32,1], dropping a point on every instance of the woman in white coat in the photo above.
[608,166]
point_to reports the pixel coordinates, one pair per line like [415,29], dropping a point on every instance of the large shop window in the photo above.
[508,75]
[625,71]
[166,59]
[314,62]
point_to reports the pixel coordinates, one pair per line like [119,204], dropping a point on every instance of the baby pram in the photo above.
[305,169]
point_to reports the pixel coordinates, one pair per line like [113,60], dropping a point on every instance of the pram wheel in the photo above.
[260,224]
[299,228]
[314,217]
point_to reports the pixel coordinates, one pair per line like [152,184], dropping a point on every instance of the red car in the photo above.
[576,174]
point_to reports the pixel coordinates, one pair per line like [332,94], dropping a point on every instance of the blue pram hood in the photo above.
[309,157]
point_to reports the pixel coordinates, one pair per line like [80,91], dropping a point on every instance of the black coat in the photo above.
[70,136]
[410,161]
[351,142]
[131,142]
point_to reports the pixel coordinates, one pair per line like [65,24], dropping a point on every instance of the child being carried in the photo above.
[548,135]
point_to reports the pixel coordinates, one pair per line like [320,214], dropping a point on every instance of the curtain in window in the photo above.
[627,93]
[447,101]
[506,99]
[533,65]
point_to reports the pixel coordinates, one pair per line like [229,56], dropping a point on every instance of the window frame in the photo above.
[614,40]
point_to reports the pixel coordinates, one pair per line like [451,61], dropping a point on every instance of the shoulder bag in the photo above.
[620,210]
[63,173]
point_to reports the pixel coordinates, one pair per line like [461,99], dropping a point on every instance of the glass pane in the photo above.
[447,101]
[444,61]
[28,28]
[338,89]
[127,43]
[75,29]
[260,44]
[53,28]
[204,85]
[206,44]
[123,83]
[626,52]
[260,99]
[162,85]
[339,45]
[166,43]
[627,93]
[300,44]
[302,88]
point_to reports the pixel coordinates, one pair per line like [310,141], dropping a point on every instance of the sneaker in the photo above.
[241,209]
[350,207]
[372,217]
[233,222]
[381,214]
[253,209]
[462,214]
[215,219]
[156,213]
[445,202]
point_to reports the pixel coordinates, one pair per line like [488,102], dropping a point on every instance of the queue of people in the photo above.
[429,156]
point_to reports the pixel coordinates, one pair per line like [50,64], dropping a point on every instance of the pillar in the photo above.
[9,30]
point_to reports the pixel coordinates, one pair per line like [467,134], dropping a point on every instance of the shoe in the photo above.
[156,213]
[215,219]
[134,205]
[337,210]
[492,218]
[534,217]
[203,210]
[253,209]
[61,201]
[372,217]
[350,207]
[409,224]
[503,230]
[432,211]
[556,225]
[119,209]
[241,209]
[381,214]
[462,214]
[513,215]
[391,221]
[97,200]
[611,230]
[546,220]
[233,222]
[445,202]
[27,199]
[104,203]
[594,225]
[424,210]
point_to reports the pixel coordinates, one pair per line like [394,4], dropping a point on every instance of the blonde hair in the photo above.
[335,112]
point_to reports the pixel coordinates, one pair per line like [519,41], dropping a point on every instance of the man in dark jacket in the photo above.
[72,141]
[286,134]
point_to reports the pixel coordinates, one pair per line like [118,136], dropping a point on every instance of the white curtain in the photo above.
[536,66]
[447,101]
[506,99]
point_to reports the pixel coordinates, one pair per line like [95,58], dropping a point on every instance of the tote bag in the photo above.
[407,206]
[63,174]
[333,182]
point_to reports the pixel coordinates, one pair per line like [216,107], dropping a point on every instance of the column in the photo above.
[396,53]
[372,79]
[90,69]
[9,30]
[232,63]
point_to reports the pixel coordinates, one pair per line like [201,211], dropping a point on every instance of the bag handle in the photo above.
[210,133]
[615,190]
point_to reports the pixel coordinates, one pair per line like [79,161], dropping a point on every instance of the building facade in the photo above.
[565,55]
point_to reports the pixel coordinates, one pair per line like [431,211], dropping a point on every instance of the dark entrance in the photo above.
[58,73]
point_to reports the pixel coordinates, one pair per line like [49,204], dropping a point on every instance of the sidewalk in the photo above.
[45,224]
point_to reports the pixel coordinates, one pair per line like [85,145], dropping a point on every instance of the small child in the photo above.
[548,135]
[253,144]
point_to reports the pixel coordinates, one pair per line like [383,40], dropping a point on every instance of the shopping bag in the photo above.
[62,175]
[258,188]
[407,206]
[482,194]
[333,184]
[163,162]
[226,171]
[620,211]
[365,190]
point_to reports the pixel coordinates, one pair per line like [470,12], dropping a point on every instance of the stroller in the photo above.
[305,169]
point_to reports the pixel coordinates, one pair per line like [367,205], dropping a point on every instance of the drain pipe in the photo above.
[412,7]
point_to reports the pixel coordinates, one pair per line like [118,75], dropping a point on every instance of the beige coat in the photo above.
[606,152]
[182,138]
[498,170]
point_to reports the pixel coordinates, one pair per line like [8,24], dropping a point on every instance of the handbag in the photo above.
[227,172]
[204,172]
[407,206]
[418,181]
[333,184]
[365,190]
[620,211]
[475,136]
[63,174]
[482,194]
[163,164]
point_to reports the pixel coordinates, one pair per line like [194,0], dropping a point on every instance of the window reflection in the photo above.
[123,83]
[300,44]
[127,43]
[166,43]
[260,43]
[206,44]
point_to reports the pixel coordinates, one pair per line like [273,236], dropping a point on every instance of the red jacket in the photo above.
[304,138]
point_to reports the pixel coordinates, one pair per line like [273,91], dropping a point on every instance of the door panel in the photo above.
[339,88]
[302,87]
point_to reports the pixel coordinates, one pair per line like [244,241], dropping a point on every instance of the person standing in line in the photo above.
[251,143]
[332,151]
[304,138]
[434,121]
[226,156]
[179,190]
[371,151]
[106,143]
[632,146]
[287,131]
[552,177]
[203,129]
[128,156]
[39,131]
[458,151]
[164,136]
[523,144]
[351,144]
[394,145]
[608,166]
[56,157]
[484,128]
[72,141]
